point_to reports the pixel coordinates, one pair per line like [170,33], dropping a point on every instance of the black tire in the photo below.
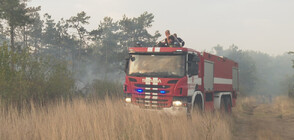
[197,103]
[222,105]
[226,105]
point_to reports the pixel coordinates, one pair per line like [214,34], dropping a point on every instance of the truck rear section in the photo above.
[220,82]
[179,79]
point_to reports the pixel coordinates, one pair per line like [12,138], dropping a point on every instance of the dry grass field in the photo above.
[110,119]
[253,120]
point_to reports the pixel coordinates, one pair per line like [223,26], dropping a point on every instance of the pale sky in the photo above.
[260,25]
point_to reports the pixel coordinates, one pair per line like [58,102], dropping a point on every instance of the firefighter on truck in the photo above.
[179,79]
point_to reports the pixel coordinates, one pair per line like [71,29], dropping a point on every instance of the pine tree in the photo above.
[16,13]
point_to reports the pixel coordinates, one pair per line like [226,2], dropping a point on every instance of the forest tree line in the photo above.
[42,59]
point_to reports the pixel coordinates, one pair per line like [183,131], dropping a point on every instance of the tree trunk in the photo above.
[12,46]
[106,63]
[12,37]
[25,37]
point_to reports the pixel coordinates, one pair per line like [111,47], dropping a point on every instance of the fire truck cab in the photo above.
[179,79]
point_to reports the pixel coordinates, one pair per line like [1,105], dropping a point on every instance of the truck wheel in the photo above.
[222,105]
[197,103]
[226,105]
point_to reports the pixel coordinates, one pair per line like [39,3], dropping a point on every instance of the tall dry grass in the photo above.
[256,119]
[108,119]
[284,106]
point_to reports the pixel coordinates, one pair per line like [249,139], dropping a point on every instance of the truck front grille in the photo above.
[152,101]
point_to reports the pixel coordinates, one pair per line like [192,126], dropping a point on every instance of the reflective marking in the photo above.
[155,94]
[147,97]
[147,101]
[157,49]
[149,49]
[196,80]
[148,81]
[155,88]
[147,88]
[223,81]
[148,93]
[154,102]
[154,97]
[155,81]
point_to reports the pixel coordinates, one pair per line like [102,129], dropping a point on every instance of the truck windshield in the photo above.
[157,66]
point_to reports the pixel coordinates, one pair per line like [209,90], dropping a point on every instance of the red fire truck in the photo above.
[180,79]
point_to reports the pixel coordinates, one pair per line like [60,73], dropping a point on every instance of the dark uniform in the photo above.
[173,42]
[181,41]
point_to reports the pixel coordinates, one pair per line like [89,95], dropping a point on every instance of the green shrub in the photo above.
[25,77]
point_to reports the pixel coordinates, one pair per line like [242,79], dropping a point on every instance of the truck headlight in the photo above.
[177,103]
[128,100]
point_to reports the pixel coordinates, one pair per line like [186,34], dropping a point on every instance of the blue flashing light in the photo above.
[162,92]
[139,90]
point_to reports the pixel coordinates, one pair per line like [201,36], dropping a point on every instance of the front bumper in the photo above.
[173,108]
[170,110]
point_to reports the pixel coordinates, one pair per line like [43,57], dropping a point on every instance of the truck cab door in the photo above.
[192,73]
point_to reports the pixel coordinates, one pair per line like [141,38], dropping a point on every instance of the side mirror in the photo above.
[133,58]
[127,65]
[130,58]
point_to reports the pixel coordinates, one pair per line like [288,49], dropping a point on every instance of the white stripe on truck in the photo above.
[222,81]
[157,49]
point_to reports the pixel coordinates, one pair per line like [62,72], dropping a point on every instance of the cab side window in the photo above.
[192,64]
